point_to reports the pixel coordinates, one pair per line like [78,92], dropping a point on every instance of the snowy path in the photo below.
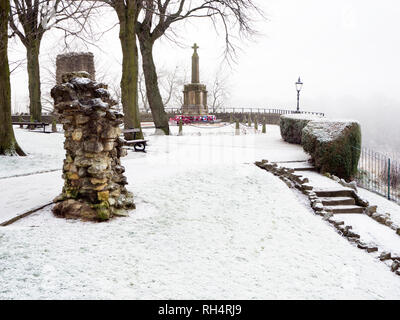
[321,182]
[26,193]
[209,224]
[371,232]
[45,152]
[384,206]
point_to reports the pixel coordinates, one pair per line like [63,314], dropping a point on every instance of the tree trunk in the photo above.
[8,144]
[160,117]
[127,16]
[32,54]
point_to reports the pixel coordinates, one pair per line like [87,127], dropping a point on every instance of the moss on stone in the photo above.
[291,126]
[102,210]
[72,176]
[103,213]
[103,195]
[71,192]
[334,146]
[264,127]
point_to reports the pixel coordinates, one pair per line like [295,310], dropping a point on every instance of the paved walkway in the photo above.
[344,210]
[28,192]
[217,146]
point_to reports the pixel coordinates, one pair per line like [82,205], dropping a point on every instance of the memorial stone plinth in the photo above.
[94,184]
[195,93]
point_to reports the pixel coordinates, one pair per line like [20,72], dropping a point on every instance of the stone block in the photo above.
[94,187]
[334,146]
[291,126]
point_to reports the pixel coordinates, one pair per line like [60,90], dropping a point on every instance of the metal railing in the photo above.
[379,173]
[251,110]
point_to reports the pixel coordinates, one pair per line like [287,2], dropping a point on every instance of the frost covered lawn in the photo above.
[208,224]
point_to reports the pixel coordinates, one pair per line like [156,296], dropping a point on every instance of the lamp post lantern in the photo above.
[299,85]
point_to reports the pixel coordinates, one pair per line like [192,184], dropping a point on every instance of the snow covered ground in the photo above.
[384,206]
[208,224]
[45,152]
[372,233]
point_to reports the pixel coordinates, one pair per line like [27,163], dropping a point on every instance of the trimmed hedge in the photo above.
[291,126]
[334,146]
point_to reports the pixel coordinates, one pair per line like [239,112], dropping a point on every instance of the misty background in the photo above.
[345,51]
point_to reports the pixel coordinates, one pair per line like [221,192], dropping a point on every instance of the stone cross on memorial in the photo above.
[195,65]
[195,93]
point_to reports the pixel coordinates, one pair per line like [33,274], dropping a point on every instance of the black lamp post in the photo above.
[299,85]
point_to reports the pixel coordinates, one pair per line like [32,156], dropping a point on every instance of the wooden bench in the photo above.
[138,144]
[32,124]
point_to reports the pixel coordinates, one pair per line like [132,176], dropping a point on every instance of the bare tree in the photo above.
[103,74]
[128,12]
[170,83]
[144,102]
[29,20]
[8,144]
[14,65]
[218,91]
[48,80]
[180,81]
[115,90]
[160,15]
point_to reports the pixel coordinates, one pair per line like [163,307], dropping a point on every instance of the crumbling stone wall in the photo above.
[74,62]
[94,187]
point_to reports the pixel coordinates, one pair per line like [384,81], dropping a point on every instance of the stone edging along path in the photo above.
[30,173]
[326,203]
[371,210]
[25,214]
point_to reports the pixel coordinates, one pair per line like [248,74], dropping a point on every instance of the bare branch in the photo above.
[230,14]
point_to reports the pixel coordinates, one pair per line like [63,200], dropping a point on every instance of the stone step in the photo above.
[334,193]
[297,165]
[310,168]
[337,201]
[344,209]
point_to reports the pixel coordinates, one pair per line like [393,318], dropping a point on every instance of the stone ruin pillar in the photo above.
[75,62]
[94,187]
